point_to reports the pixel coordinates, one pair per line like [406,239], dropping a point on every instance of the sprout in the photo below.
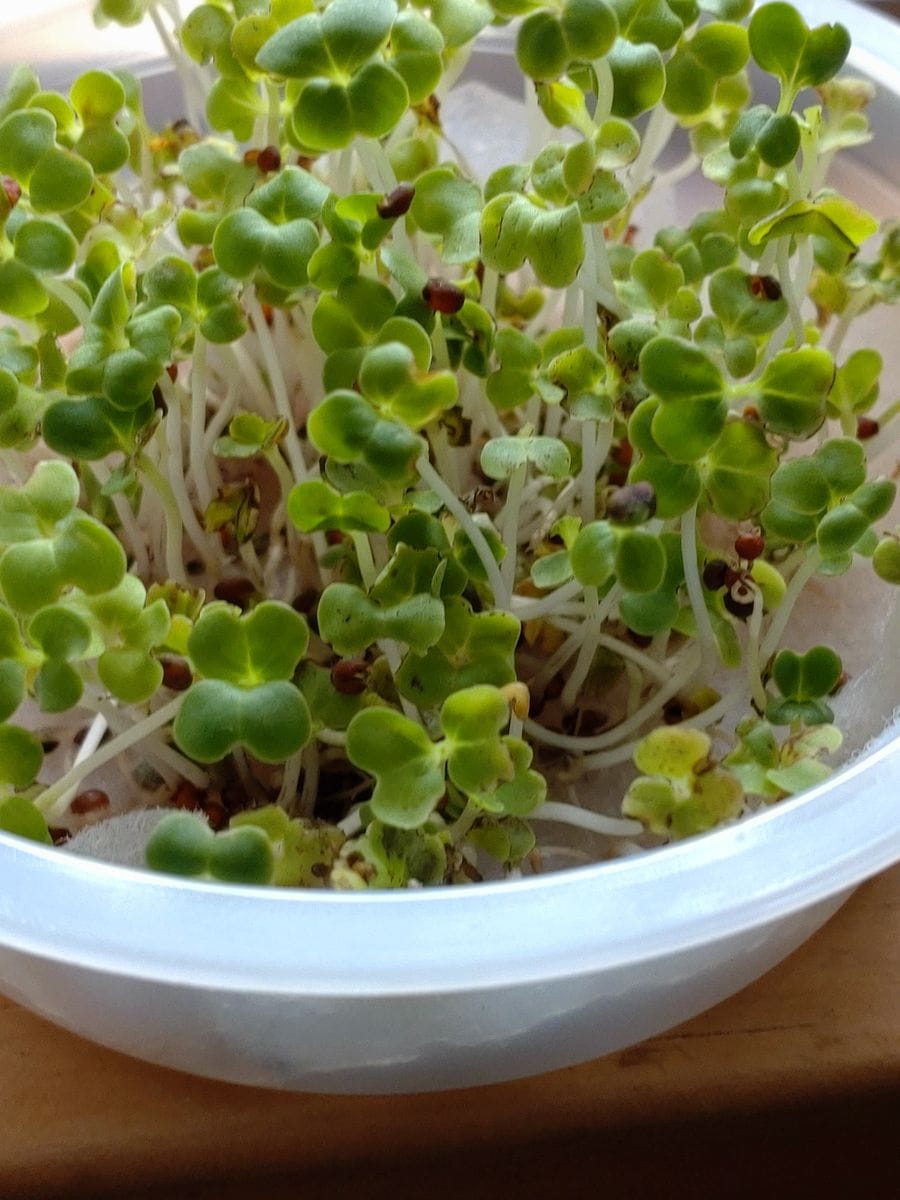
[365,502]
[245,696]
[803,681]
[677,793]
[183,844]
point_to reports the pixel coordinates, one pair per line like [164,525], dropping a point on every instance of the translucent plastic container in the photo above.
[446,988]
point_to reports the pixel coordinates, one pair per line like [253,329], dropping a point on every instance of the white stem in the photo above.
[557,660]
[600,741]
[174,467]
[173,531]
[285,486]
[605,291]
[351,825]
[583,818]
[455,506]
[570,307]
[277,385]
[526,609]
[305,804]
[165,758]
[332,737]
[289,780]
[754,678]
[854,307]
[392,654]
[92,739]
[489,285]
[236,355]
[605,90]
[136,542]
[586,651]
[609,758]
[788,289]
[659,129]
[782,615]
[553,418]
[444,456]
[587,278]
[48,800]
[439,344]
[255,569]
[546,519]
[510,526]
[197,456]
[705,635]
[63,291]
[681,171]
[478,408]
[537,126]
[221,418]
[590,467]
[658,670]
[364,559]
[193,97]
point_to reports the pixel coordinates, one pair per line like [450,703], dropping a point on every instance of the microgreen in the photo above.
[677,793]
[246,696]
[803,680]
[376,500]
[183,844]
[772,770]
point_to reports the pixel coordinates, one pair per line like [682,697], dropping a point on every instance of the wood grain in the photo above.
[823,1026]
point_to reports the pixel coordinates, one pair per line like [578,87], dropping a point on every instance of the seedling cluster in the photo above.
[379,511]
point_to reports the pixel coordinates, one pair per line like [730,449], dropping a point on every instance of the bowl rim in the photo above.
[569,923]
[565,924]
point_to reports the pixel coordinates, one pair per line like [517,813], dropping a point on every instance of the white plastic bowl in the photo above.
[446,988]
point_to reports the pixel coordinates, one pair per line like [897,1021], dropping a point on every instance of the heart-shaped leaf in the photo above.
[408,767]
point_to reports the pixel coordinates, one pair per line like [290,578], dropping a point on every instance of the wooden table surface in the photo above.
[811,1051]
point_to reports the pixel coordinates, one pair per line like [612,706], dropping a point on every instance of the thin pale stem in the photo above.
[48,801]
[62,290]
[751,657]
[277,384]
[789,291]
[288,791]
[134,536]
[557,660]
[604,759]
[304,802]
[782,615]
[164,757]
[510,526]
[439,344]
[364,559]
[584,818]
[590,468]
[705,635]
[190,86]
[455,506]
[221,418]
[600,741]
[174,531]
[855,306]
[526,609]
[489,285]
[196,456]
[174,467]
[273,114]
